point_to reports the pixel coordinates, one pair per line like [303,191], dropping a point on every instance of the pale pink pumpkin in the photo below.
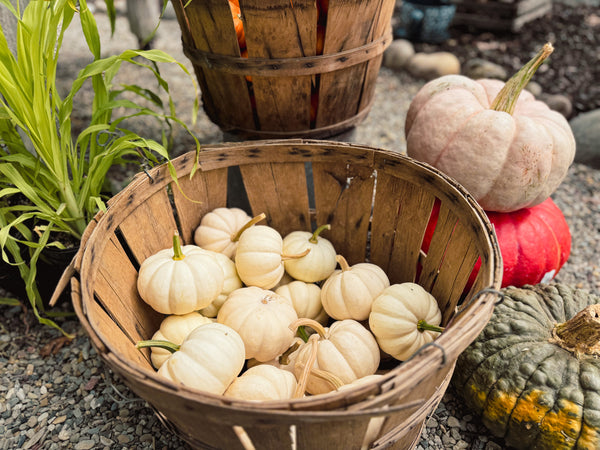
[510,151]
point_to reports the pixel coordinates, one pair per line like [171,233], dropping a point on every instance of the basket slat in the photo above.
[405,426]
[400,217]
[334,101]
[461,254]
[279,191]
[109,330]
[209,24]
[208,189]
[444,228]
[116,290]
[274,30]
[348,434]
[381,25]
[343,196]
[157,233]
[271,436]
[205,434]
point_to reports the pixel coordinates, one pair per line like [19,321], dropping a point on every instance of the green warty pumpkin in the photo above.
[533,374]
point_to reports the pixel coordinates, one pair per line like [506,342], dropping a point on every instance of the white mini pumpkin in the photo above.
[258,258]
[263,382]
[175,329]
[218,230]
[320,261]
[306,298]
[403,318]
[346,349]
[348,293]
[209,359]
[180,280]
[262,319]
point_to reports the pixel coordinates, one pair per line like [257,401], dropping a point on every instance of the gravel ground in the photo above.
[573,69]
[59,394]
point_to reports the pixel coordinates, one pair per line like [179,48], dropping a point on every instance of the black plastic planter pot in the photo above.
[50,267]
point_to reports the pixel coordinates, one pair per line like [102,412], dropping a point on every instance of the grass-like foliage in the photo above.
[58,177]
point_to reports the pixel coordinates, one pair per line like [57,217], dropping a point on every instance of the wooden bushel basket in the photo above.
[306,73]
[379,205]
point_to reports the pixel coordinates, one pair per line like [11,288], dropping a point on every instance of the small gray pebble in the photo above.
[397,55]
[477,68]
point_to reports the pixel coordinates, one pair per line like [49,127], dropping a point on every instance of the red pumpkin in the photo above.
[535,243]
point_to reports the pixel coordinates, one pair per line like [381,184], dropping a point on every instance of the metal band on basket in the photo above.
[286,67]
[430,344]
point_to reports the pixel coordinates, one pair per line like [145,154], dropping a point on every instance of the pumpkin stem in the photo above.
[314,238]
[166,345]
[284,358]
[333,380]
[580,334]
[308,322]
[422,325]
[506,99]
[177,253]
[285,257]
[302,382]
[302,333]
[342,262]
[251,222]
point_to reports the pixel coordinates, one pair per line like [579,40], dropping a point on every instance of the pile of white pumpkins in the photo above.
[257,316]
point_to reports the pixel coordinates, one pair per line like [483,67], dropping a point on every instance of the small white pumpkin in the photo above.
[209,358]
[320,261]
[231,283]
[306,298]
[262,319]
[218,230]
[346,349]
[175,329]
[404,317]
[362,380]
[259,257]
[263,382]
[348,293]
[180,280]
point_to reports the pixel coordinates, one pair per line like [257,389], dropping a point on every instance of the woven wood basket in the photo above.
[379,205]
[290,83]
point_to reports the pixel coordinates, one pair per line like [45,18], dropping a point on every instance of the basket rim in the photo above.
[442,353]
[289,67]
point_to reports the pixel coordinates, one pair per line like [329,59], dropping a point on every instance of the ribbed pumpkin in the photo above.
[180,280]
[175,329]
[507,149]
[533,374]
[263,382]
[218,230]
[262,318]
[349,292]
[306,298]
[345,351]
